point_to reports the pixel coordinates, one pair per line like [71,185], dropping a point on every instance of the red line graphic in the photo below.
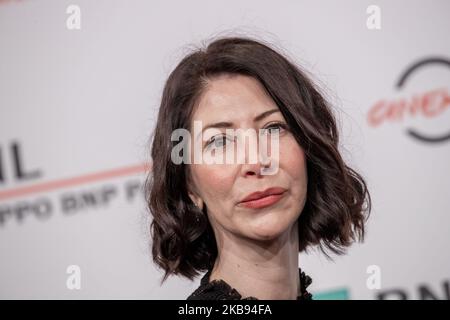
[74,181]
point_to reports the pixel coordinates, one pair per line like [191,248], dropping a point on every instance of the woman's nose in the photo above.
[256,160]
[253,169]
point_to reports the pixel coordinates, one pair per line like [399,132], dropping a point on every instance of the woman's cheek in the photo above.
[215,179]
[293,159]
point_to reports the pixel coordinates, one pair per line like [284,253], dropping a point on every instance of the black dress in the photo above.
[220,290]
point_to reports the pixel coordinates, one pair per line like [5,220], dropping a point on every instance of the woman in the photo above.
[243,227]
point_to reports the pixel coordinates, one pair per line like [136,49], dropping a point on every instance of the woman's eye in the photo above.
[217,141]
[274,127]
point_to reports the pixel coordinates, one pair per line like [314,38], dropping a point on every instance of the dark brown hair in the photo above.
[338,202]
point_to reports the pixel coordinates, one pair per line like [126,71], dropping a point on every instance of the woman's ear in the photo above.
[192,192]
[197,200]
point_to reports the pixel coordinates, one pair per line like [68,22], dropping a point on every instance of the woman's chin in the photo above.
[267,233]
[265,227]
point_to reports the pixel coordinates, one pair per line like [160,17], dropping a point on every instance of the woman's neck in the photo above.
[265,270]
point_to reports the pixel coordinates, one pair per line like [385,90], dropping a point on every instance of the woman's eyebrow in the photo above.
[230,124]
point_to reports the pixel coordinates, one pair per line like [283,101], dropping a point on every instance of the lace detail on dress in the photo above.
[220,290]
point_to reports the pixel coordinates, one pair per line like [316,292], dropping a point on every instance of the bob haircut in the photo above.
[334,214]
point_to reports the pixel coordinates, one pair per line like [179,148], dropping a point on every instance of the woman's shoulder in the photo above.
[220,290]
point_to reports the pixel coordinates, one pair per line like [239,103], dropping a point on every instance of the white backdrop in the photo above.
[78,105]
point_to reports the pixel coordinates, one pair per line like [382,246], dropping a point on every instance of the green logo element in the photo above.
[337,294]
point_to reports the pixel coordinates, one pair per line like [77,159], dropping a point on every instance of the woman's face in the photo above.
[238,99]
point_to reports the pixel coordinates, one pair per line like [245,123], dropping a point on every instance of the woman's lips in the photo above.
[262,202]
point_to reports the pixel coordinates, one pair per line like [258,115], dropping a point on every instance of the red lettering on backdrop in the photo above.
[429,104]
